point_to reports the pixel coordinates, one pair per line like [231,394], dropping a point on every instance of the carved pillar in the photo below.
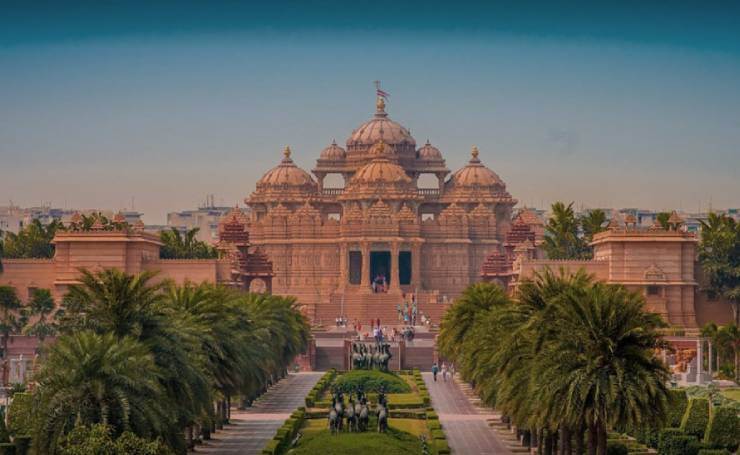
[416,267]
[320,177]
[343,265]
[441,180]
[365,281]
[395,278]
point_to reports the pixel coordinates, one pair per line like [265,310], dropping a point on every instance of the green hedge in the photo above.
[673,441]
[7,448]
[432,415]
[723,430]
[371,381]
[696,417]
[315,393]
[714,452]
[441,447]
[283,439]
[20,417]
[677,402]
[22,444]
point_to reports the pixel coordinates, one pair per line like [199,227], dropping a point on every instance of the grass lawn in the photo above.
[416,427]
[393,442]
[732,394]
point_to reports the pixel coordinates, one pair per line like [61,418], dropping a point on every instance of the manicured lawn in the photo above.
[732,394]
[372,381]
[416,427]
[393,442]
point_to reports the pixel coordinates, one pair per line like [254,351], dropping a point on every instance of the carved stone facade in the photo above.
[328,245]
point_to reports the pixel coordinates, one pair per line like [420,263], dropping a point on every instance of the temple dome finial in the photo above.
[286,152]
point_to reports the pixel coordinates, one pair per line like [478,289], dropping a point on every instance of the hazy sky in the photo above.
[102,102]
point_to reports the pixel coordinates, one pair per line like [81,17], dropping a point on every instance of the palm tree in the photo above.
[111,301]
[719,253]
[41,305]
[460,318]
[33,241]
[178,246]
[599,362]
[592,223]
[9,305]
[89,378]
[562,240]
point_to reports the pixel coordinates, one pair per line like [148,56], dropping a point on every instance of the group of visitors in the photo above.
[447,372]
[380,283]
[340,321]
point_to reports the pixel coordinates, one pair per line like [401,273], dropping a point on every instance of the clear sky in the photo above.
[165,102]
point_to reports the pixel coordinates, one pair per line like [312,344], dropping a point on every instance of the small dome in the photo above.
[380,128]
[475,174]
[286,174]
[380,169]
[333,152]
[429,152]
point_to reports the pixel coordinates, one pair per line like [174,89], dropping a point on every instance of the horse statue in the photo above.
[333,420]
[364,416]
[351,415]
[382,418]
[339,407]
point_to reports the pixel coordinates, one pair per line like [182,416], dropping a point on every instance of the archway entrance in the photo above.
[380,265]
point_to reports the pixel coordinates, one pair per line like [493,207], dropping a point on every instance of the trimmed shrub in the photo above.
[714,452]
[438,434]
[371,381]
[432,415]
[20,417]
[441,447]
[7,448]
[696,417]
[677,402]
[723,430]
[616,448]
[673,441]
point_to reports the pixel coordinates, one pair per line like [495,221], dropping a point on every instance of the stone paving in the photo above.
[464,423]
[250,430]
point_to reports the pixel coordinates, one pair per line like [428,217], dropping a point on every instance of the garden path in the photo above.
[250,430]
[464,424]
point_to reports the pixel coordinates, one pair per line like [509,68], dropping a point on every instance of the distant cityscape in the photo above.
[206,217]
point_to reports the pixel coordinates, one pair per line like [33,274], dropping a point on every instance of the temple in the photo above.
[354,250]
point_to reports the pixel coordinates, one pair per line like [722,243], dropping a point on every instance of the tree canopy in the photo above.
[184,246]
[567,236]
[567,355]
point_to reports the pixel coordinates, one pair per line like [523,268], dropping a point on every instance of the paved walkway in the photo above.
[250,430]
[464,424]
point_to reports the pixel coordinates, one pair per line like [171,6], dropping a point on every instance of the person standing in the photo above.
[444,371]
[435,370]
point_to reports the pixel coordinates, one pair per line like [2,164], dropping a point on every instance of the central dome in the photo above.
[380,169]
[380,128]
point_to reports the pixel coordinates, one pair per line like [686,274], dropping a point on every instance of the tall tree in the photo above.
[562,240]
[33,241]
[179,246]
[662,219]
[719,253]
[40,307]
[88,379]
[592,223]
[9,305]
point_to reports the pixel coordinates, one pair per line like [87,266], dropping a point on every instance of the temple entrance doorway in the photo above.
[404,268]
[380,265]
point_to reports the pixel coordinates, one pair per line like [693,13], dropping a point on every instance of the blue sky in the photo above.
[102,102]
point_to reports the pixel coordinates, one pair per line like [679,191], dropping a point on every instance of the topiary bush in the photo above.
[677,402]
[696,417]
[20,416]
[723,430]
[371,381]
[616,448]
[673,441]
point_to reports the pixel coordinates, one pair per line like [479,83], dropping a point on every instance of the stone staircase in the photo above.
[504,433]
[363,306]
